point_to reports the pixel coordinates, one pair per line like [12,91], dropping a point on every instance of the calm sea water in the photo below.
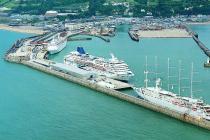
[35,105]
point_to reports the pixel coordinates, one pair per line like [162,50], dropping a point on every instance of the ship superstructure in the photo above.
[112,68]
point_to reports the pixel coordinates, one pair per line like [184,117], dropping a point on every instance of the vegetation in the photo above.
[106,7]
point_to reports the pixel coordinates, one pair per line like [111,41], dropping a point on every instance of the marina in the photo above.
[105,69]
[26,53]
[136,112]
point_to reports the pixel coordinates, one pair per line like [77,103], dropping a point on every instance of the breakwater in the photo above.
[202,46]
[79,39]
[198,42]
[98,36]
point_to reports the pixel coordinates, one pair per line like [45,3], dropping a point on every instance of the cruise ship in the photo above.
[166,99]
[58,43]
[111,68]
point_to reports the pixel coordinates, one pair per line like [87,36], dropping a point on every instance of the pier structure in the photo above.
[83,32]
[198,42]
[98,36]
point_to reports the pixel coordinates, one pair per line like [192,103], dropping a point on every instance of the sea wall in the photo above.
[120,95]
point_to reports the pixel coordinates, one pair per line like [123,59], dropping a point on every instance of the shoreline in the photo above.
[22,29]
[198,23]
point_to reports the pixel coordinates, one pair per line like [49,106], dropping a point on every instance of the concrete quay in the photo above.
[198,42]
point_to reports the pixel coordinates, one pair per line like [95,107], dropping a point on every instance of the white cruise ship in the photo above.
[58,43]
[112,68]
[166,99]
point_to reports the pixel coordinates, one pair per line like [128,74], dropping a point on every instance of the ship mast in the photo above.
[146,73]
[168,74]
[179,83]
[156,67]
[191,81]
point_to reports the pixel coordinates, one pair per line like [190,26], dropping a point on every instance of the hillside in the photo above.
[92,7]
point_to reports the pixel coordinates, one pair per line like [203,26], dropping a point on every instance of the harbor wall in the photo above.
[134,100]
[198,42]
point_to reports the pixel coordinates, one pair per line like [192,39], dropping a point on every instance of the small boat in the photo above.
[207,63]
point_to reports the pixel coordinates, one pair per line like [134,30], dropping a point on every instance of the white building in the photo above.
[51,14]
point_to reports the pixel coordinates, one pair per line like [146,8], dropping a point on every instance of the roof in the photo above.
[51,12]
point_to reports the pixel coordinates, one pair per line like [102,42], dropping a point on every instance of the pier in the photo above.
[79,39]
[201,45]
[98,36]
[198,42]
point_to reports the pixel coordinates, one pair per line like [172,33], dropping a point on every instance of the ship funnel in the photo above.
[158,83]
[113,58]
[80,50]
[112,55]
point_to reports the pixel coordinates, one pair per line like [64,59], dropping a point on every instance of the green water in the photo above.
[35,105]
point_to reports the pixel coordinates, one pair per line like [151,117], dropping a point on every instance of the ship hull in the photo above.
[120,78]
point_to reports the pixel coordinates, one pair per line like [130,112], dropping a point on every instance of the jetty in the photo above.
[98,36]
[202,46]
[198,42]
[79,39]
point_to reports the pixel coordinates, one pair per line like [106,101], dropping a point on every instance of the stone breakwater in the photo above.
[120,95]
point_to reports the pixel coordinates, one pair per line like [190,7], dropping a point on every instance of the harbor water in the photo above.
[35,105]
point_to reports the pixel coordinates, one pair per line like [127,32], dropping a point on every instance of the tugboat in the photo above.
[207,63]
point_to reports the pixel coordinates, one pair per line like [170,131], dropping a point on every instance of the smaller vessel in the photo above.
[207,63]
[58,43]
